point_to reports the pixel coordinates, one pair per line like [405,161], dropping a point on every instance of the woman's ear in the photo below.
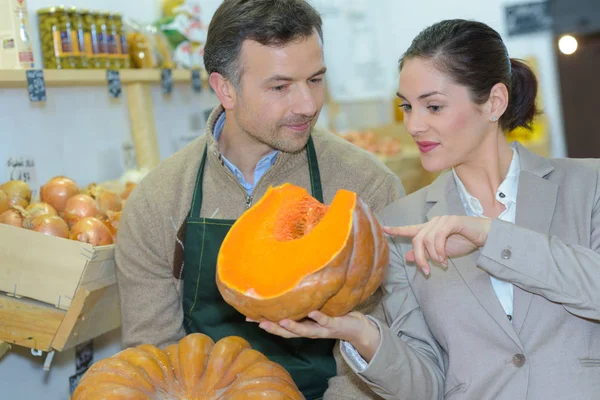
[498,101]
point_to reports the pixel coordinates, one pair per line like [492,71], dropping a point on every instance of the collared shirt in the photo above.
[507,195]
[262,166]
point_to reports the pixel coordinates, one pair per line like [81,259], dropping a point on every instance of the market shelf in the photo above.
[82,77]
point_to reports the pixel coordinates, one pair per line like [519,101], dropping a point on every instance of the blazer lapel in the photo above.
[444,193]
[536,200]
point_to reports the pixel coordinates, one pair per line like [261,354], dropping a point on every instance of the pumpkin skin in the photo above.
[194,369]
[289,255]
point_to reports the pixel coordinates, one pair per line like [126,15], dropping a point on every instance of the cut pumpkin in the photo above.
[289,254]
[194,369]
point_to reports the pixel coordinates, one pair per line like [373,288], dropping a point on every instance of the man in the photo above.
[265,62]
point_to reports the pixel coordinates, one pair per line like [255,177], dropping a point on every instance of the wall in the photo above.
[401,22]
[84,141]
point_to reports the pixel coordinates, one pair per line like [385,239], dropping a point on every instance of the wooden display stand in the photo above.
[57,293]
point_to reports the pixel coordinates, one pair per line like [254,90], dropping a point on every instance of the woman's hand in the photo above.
[354,328]
[443,237]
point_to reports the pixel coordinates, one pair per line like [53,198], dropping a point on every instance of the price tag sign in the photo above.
[114,83]
[196,81]
[36,85]
[166,76]
[22,168]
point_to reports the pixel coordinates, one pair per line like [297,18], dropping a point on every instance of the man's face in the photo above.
[281,93]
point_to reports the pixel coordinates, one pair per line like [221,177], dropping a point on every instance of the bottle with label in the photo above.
[56,38]
[91,32]
[114,54]
[103,45]
[123,47]
[77,37]
[15,39]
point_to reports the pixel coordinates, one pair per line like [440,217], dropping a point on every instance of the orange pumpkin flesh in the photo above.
[194,369]
[289,255]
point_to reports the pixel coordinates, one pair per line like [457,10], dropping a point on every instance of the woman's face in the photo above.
[447,126]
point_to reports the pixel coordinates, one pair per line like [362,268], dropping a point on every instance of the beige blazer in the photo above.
[447,336]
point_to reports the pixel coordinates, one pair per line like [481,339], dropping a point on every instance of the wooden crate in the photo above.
[55,293]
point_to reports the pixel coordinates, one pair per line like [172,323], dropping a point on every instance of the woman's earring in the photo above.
[494,118]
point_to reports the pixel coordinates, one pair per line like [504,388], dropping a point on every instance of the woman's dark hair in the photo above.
[268,22]
[474,55]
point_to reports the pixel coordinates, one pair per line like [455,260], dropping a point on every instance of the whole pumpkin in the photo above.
[289,255]
[194,369]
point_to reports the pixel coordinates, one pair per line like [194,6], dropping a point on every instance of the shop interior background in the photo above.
[82,133]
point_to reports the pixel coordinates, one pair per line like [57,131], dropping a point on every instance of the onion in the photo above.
[4,205]
[51,225]
[112,222]
[18,189]
[57,191]
[17,201]
[106,199]
[93,231]
[36,209]
[13,216]
[79,206]
[129,186]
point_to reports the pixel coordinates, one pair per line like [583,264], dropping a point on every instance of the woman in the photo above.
[513,310]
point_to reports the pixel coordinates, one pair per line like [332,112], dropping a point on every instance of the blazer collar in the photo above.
[536,200]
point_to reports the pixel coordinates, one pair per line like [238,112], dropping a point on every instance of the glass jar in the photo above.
[112,40]
[122,46]
[101,33]
[78,37]
[92,44]
[56,38]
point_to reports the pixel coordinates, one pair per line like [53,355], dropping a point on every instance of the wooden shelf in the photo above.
[90,77]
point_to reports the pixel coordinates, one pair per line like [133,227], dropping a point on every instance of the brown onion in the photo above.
[18,189]
[112,222]
[4,205]
[13,216]
[93,231]
[51,225]
[106,199]
[129,186]
[78,207]
[17,201]
[41,208]
[57,191]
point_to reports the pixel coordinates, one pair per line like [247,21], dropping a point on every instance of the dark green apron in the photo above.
[309,361]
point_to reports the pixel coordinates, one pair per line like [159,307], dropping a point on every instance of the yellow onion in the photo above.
[4,204]
[129,186]
[57,191]
[93,231]
[78,207]
[14,216]
[18,192]
[106,199]
[35,209]
[51,225]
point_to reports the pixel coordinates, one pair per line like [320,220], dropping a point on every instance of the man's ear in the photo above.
[224,90]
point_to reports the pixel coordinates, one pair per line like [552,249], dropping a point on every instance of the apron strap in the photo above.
[197,197]
[313,169]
